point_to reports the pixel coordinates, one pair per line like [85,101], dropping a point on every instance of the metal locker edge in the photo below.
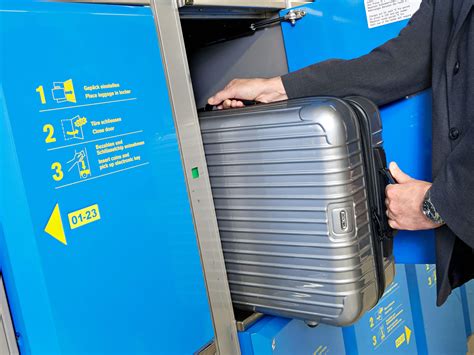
[175,62]
[8,344]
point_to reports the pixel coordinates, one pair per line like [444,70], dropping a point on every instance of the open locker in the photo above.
[328,29]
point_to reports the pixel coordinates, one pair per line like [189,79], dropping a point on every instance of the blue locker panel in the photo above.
[469,307]
[97,244]
[443,327]
[281,336]
[338,29]
[389,327]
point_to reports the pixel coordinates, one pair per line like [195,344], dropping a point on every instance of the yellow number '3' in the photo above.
[58,176]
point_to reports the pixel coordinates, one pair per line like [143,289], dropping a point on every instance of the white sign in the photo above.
[382,12]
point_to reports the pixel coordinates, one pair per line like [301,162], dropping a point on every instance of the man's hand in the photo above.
[261,90]
[404,202]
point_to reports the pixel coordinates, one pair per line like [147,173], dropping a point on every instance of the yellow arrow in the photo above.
[408,333]
[55,226]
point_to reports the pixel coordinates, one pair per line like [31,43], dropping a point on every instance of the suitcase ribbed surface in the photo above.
[291,201]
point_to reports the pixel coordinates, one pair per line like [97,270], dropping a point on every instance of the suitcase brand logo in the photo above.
[343,218]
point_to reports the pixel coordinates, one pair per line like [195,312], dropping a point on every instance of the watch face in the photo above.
[429,210]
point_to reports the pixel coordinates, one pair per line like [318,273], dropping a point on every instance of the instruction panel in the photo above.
[383,12]
[89,132]
[444,326]
[84,147]
[389,326]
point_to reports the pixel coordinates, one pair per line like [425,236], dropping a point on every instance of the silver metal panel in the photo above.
[210,349]
[8,344]
[192,152]
[243,325]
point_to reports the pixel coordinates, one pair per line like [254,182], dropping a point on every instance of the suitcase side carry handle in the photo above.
[209,108]
[388,176]
[385,178]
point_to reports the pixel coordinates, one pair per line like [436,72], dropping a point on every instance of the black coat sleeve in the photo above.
[400,67]
[453,189]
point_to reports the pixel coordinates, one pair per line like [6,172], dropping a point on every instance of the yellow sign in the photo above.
[400,340]
[63,91]
[84,216]
[54,227]
[408,334]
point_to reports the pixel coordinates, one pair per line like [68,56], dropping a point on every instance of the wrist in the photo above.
[277,89]
[429,209]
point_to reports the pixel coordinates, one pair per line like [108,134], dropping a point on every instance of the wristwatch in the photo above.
[429,209]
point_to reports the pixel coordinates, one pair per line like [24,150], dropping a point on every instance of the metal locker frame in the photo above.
[192,152]
[8,344]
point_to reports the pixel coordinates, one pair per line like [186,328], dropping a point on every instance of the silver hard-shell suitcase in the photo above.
[299,194]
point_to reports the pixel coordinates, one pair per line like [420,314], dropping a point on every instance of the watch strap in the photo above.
[429,210]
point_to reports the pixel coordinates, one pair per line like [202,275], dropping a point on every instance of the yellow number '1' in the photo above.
[58,176]
[48,128]
[40,91]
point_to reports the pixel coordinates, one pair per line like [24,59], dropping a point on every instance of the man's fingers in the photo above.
[227,104]
[230,104]
[237,103]
[229,92]
[389,214]
[221,96]
[392,215]
[213,100]
[398,174]
[393,224]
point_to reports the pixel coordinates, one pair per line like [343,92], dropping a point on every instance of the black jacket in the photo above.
[435,49]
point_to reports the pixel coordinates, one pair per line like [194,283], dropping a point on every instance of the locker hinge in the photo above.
[292,16]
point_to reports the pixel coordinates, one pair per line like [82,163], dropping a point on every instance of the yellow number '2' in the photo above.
[48,128]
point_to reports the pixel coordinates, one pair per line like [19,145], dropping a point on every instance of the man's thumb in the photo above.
[398,174]
[221,96]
